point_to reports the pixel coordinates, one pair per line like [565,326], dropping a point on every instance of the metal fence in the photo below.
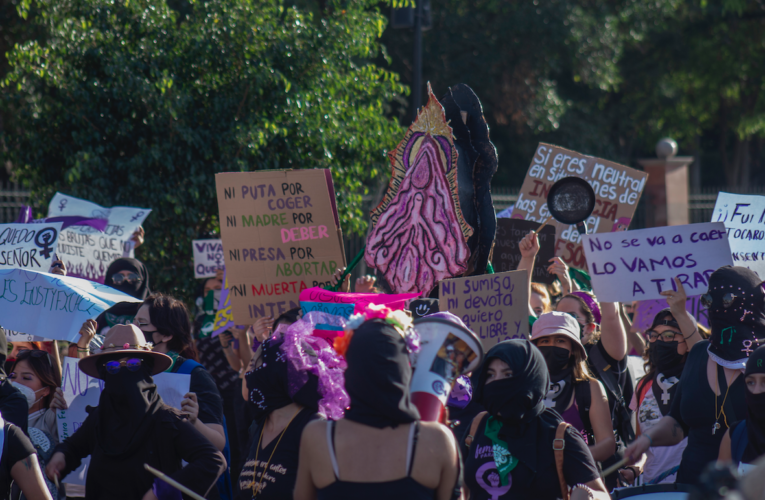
[12,198]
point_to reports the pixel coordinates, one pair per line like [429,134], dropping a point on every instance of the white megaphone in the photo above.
[448,349]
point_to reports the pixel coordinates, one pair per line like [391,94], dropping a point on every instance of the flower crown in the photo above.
[400,320]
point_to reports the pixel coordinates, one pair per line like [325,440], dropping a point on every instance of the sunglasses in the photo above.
[667,336]
[131,278]
[727,300]
[114,367]
[33,353]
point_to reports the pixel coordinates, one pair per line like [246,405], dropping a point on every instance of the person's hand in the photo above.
[138,237]
[366,284]
[628,476]
[56,464]
[237,332]
[57,267]
[346,285]
[635,450]
[150,495]
[58,402]
[676,300]
[87,332]
[219,276]
[262,328]
[190,406]
[529,245]
[560,269]
[225,339]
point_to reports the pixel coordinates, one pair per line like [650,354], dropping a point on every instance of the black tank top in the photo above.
[405,487]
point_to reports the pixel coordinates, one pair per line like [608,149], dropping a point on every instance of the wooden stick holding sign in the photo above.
[172,482]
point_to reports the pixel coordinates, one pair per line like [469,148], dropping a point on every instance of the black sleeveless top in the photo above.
[404,488]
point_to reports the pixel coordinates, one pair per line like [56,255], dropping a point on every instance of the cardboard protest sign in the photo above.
[28,246]
[639,265]
[282,236]
[647,309]
[208,257]
[494,306]
[507,253]
[81,391]
[617,190]
[744,219]
[52,306]
[86,252]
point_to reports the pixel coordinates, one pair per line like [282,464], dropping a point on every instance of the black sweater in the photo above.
[170,441]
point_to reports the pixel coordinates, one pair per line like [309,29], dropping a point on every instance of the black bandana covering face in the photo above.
[560,363]
[755,413]
[267,383]
[736,314]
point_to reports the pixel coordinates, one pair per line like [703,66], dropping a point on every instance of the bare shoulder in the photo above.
[314,431]
[597,390]
[438,436]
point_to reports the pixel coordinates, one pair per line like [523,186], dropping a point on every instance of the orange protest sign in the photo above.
[617,192]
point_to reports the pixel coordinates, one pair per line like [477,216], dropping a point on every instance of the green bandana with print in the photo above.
[503,459]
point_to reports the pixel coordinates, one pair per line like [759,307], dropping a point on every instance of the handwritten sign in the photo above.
[282,236]
[86,252]
[744,219]
[342,310]
[52,306]
[28,246]
[81,391]
[494,306]
[639,265]
[647,310]
[617,191]
[14,336]
[208,257]
[507,253]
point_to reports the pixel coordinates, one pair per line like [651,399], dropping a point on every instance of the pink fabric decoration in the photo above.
[361,300]
[307,353]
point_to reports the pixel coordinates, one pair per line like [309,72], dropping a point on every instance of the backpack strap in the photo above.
[474,428]
[739,438]
[559,444]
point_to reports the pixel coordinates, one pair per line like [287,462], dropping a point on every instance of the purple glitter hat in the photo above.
[594,307]
[307,353]
[462,393]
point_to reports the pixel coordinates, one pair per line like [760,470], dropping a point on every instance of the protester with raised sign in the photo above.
[509,450]
[294,378]
[132,426]
[129,276]
[711,393]
[744,442]
[380,449]
[672,335]
[578,397]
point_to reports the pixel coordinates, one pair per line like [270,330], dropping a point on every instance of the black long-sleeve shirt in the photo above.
[170,441]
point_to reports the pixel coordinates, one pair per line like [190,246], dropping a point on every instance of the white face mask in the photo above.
[27,392]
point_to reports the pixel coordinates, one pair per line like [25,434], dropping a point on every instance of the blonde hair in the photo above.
[541,290]
[581,370]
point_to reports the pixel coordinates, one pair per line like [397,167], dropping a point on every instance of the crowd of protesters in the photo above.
[276,412]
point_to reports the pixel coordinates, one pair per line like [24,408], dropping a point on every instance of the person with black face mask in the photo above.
[380,450]
[744,442]
[510,449]
[574,393]
[665,360]
[711,393]
[132,426]
[286,387]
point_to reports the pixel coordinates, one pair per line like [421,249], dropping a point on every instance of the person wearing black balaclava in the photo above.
[279,423]
[128,276]
[132,426]
[510,454]
[744,442]
[13,404]
[380,449]
[711,393]
[669,341]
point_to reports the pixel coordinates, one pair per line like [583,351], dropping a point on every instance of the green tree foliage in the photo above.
[139,103]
